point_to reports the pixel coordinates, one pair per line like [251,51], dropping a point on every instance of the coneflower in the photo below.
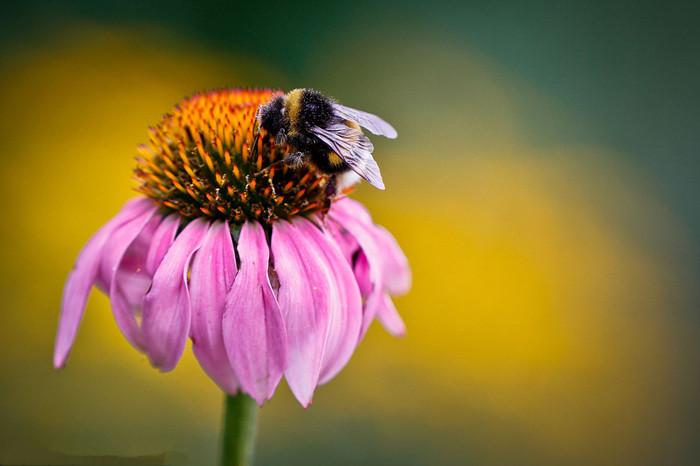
[269,269]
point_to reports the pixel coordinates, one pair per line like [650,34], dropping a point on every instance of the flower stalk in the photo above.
[239,430]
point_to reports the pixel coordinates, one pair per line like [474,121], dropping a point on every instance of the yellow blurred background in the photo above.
[553,318]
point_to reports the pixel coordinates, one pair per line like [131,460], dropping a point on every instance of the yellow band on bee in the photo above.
[334,159]
[352,124]
[293,107]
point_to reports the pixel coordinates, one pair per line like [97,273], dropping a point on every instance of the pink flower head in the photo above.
[267,271]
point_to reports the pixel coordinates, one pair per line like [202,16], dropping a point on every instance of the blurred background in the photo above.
[545,187]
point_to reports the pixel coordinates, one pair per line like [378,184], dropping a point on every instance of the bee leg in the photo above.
[254,146]
[331,192]
[281,138]
[295,160]
[332,187]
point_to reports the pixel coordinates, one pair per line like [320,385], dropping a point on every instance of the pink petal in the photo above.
[362,233]
[128,282]
[162,239]
[389,317]
[308,297]
[213,271]
[395,271]
[343,239]
[119,241]
[344,326]
[253,327]
[131,286]
[166,308]
[386,312]
[135,272]
[84,275]
[362,274]
[351,208]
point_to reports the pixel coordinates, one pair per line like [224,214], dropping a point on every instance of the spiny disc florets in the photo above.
[207,157]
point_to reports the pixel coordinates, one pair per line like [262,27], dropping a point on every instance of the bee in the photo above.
[324,133]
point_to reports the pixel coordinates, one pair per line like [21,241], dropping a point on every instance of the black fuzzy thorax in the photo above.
[315,110]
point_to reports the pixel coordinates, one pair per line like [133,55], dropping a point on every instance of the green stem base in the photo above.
[240,427]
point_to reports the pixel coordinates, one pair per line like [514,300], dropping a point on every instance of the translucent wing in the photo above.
[354,148]
[372,122]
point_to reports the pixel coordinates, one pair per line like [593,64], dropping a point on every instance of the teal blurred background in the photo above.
[544,186]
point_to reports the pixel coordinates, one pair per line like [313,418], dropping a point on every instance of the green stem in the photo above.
[238,436]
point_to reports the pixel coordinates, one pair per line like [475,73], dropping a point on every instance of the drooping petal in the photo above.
[361,269]
[308,297]
[134,274]
[351,208]
[396,271]
[131,285]
[344,326]
[362,234]
[128,281]
[343,239]
[166,308]
[253,328]
[84,275]
[122,239]
[386,312]
[389,317]
[162,239]
[211,277]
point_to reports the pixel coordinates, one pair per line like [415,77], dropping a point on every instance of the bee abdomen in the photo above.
[329,162]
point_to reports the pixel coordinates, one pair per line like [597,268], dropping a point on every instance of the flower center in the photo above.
[207,158]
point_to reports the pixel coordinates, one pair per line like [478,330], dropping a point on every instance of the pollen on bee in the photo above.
[207,157]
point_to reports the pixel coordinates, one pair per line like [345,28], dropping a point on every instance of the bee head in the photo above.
[271,116]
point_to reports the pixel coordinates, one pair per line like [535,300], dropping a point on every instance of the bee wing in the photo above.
[354,148]
[373,123]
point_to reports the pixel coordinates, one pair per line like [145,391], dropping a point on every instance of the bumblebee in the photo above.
[325,133]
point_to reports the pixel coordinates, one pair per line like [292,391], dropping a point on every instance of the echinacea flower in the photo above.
[266,268]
